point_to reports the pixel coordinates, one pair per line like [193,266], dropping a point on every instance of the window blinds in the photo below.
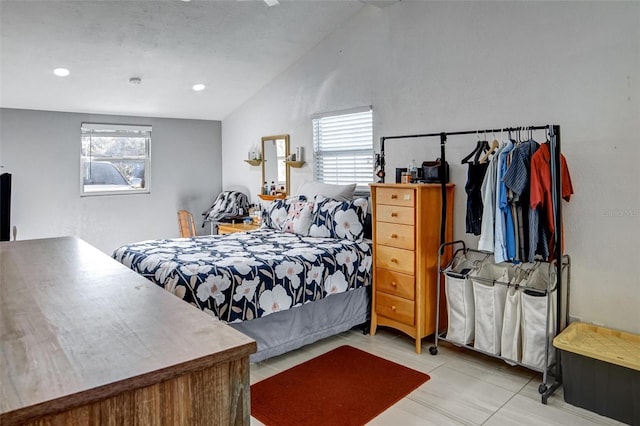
[343,148]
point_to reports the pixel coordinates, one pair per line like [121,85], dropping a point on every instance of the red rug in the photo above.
[345,386]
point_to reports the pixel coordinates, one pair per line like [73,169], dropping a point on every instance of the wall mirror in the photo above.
[275,149]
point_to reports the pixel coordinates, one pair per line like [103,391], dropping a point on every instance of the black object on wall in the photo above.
[5,206]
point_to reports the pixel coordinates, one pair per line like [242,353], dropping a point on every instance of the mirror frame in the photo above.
[286,154]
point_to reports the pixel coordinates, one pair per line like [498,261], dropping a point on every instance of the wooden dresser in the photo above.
[86,341]
[406,238]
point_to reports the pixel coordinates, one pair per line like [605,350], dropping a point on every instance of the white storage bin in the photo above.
[534,317]
[460,306]
[489,300]
[511,341]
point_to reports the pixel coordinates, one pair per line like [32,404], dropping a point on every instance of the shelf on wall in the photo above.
[279,196]
[295,164]
[253,162]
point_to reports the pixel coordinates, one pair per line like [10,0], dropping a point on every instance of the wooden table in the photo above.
[86,341]
[230,228]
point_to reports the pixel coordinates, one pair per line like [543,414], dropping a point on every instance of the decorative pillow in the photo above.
[337,192]
[339,219]
[299,218]
[275,214]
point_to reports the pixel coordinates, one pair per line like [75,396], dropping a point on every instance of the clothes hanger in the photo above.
[484,148]
[481,146]
[494,145]
[475,152]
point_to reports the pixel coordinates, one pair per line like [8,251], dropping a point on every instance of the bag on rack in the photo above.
[489,300]
[460,306]
[535,306]
[431,172]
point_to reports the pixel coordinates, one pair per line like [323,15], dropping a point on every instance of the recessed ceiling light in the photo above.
[198,87]
[61,72]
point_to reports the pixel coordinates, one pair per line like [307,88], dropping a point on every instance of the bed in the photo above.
[286,285]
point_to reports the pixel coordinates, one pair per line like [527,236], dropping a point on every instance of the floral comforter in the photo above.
[242,276]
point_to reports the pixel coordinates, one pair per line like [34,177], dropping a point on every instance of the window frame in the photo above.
[362,186]
[120,131]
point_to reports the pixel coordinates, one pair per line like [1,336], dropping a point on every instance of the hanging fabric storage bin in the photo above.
[511,340]
[489,299]
[537,316]
[460,305]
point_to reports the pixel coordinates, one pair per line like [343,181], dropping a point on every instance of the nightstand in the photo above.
[230,228]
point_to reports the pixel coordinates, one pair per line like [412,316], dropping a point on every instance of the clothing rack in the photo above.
[555,150]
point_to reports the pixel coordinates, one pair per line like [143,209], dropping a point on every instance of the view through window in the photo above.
[114,159]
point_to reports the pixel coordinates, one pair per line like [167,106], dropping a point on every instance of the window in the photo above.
[114,159]
[343,147]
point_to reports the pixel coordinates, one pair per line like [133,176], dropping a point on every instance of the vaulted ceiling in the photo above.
[232,47]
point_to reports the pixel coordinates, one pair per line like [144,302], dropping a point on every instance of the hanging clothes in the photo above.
[517,181]
[473,188]
[488,191]
[541,196]
[504,238]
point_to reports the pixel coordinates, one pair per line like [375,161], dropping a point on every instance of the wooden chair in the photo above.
[186,224]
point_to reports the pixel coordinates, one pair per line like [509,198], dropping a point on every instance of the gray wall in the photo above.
[437,66]
[42,151]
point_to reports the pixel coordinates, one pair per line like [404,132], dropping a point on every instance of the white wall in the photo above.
[41,150]
[437,66]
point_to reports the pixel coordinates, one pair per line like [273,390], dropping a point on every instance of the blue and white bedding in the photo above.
[243,276]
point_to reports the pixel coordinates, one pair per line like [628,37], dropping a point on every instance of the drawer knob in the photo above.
[394,214]
[393,260]
[393,308]
[394,196]
[394,235]
[394,284]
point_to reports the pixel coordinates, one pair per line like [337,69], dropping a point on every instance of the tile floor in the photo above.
[466,388]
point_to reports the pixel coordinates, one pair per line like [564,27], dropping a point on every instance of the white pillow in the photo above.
[299,218]
[337,192]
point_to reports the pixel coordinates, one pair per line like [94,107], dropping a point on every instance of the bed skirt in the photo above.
[287,330]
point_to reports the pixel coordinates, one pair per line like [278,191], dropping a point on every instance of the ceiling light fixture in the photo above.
[61,72]
[135,80]
[198,87]
[272,2]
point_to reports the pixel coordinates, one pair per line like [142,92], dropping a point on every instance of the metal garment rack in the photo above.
[544,388]
[556,179]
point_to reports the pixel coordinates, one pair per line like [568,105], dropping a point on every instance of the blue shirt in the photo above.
[505,239]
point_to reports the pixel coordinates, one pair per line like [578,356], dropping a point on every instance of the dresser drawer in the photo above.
[396,283]
[395,214]
[396,308]
[395,259]
[396,196]
[390,234]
